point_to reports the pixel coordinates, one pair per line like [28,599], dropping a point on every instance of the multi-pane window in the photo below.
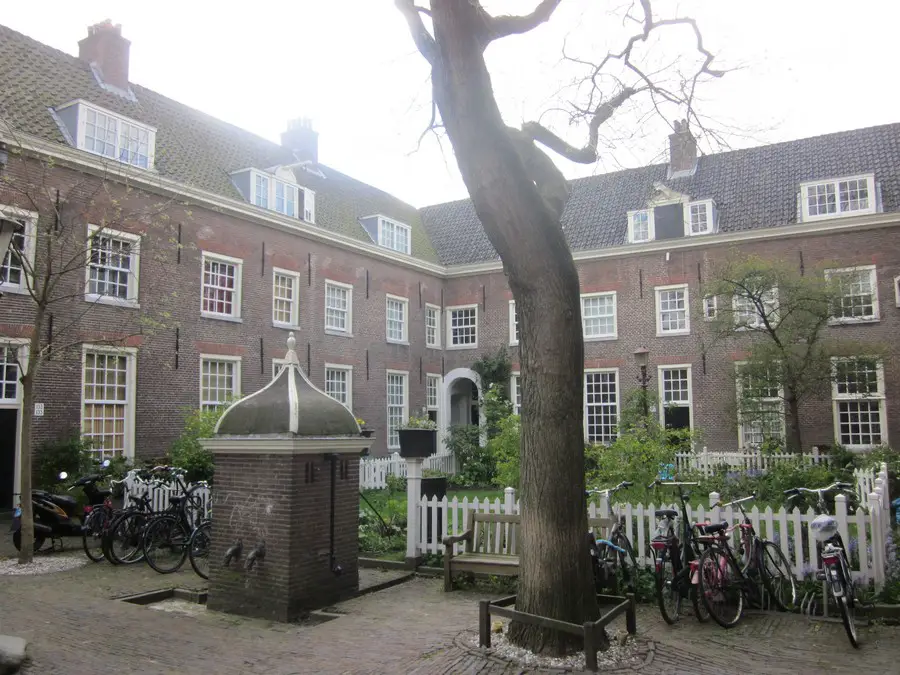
[749,315]
[108,135]
[858,394]
[513,323]
[338,383]
[432,398]
[100,131]
[761,407]
[432,326]
[261,191]
[338,306]
[9,373]
[639,227]
[12,271]
[285,303]
[700,217]
[675,394]
[134,145]
[397,406]
[393,235]
[285,198]
[107,397]
[598,315]
[856,294]
[112,265]
[219,381]
[710,307]
[397,309]
[672,310]
[462,326]
[846,196]
[221,286]
[601,406]
[515,393]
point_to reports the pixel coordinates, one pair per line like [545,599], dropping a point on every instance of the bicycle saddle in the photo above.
[711,528]
[666,513]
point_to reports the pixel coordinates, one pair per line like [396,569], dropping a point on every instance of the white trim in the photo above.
[286,445]
[133,295]
[590,371]
[738,390]
[876,315]
[277,364]
[514,391]
[349,371]
[651,226]
[437,326]
[448,315]
[661,391]
[687,310]
[130,354]
[438,379]
[79,135]
[880,396]
[615,315]
[238,284]
[707,316]
[404,332]
[348,329]
[897,291]
[513,324]
[273,178]
[835,183]
[711,218]
[387,404]
[236,377]
[294,323]
[381,220]
[757,320]
[29,218]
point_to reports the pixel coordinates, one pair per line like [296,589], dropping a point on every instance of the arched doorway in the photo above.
[460,396]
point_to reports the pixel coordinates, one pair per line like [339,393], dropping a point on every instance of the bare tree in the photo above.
[519,196]
[72,263]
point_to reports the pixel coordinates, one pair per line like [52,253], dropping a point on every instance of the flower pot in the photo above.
[417,442]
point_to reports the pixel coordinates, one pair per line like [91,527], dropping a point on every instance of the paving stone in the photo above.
[12,653]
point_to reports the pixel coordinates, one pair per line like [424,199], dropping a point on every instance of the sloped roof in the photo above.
[191,147]
[753,189]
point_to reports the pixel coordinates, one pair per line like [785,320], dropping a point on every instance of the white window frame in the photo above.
[513,324]
[615,316]
[397,225]
[873,276]
[711,226]
[757,319]
[131,300]
[879,397]
[238,284]
[19,348]
[349,372]
[236,384]
[433,377]
[449,323]
[707,306]
[271,196]
[651,226]
[897,291]
[436,343]
[515,391]
[687,310]
[294,323]
[348,329]
[779,400]
[835,183]
[661,390]
[130,354]
[29,220]
[81,136]
[405,414]
[599,371]
[404,328]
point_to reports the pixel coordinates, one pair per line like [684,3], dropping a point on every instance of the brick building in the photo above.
[224,242]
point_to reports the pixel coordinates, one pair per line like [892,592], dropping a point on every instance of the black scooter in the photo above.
[57,516]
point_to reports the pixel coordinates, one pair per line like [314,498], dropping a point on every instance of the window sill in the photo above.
[338,333]
[454,347]
[513,344]
[853,321]
[837,216]
[437,347]
[9,288]
[108,300]
[221,317]
[285,326]
[405,343]
[670,333]
[602,338]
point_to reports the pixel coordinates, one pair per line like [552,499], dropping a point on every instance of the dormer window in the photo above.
[640,226]
[285,198]
[393,235]
[261,191]
[850,196]
[271,191]
[101,132]
[701,217]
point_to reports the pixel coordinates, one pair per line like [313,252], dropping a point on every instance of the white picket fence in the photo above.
[373,471]
[708,461]
[863,530]
[159,495]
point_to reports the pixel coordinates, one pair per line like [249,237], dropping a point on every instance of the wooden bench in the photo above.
[491,545]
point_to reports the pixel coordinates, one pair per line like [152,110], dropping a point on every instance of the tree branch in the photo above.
[508,24]
[421,37]
[549,180]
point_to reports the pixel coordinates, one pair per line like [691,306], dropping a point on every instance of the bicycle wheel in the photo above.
[626,562]
[122,544]
[721,587]
[777,576]
[668,594]
[166,544]
[847,605]
[92,533]
[198,549]
[700,610]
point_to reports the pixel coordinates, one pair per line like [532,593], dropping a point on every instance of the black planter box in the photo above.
[417,442]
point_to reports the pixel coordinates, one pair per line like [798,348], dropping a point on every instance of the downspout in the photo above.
[336,569]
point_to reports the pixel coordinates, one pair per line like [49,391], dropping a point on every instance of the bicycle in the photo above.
[614,554]
[674,563]
[122,541]
[831,551]
[198,549]
[97,521]
[167,535]
[724,583]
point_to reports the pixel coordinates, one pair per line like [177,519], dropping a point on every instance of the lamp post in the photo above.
[641,356]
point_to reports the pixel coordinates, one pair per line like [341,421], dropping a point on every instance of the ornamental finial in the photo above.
[291,356]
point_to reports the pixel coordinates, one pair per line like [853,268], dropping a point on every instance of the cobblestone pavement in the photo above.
[74,626]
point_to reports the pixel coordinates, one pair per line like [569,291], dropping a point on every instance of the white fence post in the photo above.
[876,514]
[413,505]
[509,501]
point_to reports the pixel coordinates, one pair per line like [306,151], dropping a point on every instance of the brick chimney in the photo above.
[107,51]
[682,150]
[302,140]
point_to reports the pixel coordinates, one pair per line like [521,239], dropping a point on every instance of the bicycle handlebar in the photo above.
[667,483]
[609,491]
[839,485]
[737,501]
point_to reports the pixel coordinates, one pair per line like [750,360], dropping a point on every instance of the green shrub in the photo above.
[187,453]
[71,455]
[505,448]
[474,464]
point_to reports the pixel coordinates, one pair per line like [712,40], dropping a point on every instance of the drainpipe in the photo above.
[336,569]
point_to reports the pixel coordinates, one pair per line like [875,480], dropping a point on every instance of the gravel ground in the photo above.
[43,564]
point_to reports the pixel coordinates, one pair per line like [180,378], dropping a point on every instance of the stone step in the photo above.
[12,654]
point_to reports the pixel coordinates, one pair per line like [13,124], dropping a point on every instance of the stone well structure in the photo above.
[285,500]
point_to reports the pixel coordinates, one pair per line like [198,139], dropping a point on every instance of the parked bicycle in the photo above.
[830,549]
[613,557]
[167,535]
[726,578]
[122,543]
[198,549]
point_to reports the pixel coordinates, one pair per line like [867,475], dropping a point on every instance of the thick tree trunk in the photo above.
[26,553]
[555,578]
[793,436]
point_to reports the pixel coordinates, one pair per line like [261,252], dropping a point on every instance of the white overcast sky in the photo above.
[807,67]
